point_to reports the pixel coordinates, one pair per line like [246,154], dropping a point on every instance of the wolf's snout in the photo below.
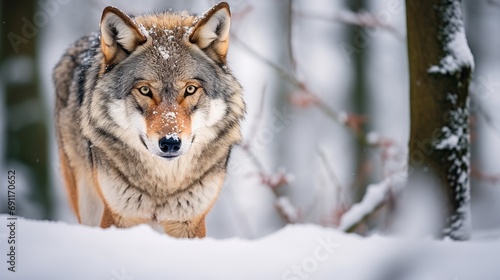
[170,145]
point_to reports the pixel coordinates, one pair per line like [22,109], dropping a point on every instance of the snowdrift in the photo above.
[55,250]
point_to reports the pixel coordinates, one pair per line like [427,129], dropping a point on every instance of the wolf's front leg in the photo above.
[109,218]
[191,229]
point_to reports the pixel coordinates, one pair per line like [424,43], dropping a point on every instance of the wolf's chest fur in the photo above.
[145,186]
[155,200]
[146,115]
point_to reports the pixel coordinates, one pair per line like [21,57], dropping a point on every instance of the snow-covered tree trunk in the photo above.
[441,65]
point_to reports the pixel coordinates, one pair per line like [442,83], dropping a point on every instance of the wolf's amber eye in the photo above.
[144,90]
[190,90]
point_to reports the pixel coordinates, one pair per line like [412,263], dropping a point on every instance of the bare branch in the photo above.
[495,3]
[255,161]
[361,19]
[351,121]
[482,176]
[258,118]
[487,117]
[285,74]
[286,209]
[375,197]
[306,97]
[340,198]
[290,35]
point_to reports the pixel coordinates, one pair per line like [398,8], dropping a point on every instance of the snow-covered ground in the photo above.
[56,250]
[246,208]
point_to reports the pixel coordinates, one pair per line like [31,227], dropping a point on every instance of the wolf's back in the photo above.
[69,70]
[71,77]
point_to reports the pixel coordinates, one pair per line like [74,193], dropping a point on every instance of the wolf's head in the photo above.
[164,83]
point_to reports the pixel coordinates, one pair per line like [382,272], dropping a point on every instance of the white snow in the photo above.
[143,30]
[164,53]
[458,54]
[170,115]
[372,138]
[175,136]
[455,139]
[449,142]
[295,252]
[280,177]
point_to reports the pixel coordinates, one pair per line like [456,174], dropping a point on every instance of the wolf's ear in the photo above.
[120,36]
[211,32]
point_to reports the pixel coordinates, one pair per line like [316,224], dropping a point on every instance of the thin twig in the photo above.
[361,19]
[482,176]
[256,162]
[487,117]
[290,35]
[96,4]
[495,3]
[341,199]
[338,117]
[289,77]
[258,118]
[473,92]
[350,121]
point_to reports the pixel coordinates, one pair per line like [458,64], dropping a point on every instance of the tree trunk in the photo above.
[359,98]
[440,69]
[26,131]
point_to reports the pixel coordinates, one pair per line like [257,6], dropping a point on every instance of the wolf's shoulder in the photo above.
[80,53]
[74,64]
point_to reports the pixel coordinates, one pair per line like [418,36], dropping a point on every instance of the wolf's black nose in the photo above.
[170,145]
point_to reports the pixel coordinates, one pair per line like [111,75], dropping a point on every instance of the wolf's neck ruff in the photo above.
[121,97]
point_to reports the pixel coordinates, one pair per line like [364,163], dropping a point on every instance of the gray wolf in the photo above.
[147,113]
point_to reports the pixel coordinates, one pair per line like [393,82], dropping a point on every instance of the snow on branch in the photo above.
[374,198]
[287,210]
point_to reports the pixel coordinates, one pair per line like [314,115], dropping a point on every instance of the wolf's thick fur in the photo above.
[146,115]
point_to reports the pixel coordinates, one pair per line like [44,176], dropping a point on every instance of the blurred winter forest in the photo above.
[327,89]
